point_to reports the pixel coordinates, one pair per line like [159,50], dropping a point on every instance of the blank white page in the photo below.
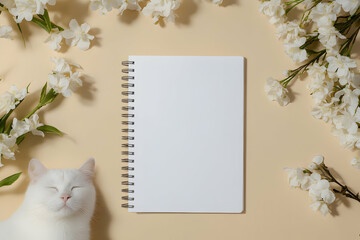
[188,134]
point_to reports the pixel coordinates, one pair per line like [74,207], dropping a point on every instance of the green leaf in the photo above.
[6,116]
[53,25]
[50,129]
[47,20]
[20,139]
[4,119]
[40,23]
[43,92]
[41,16]
[8,129]
[49,97]
[21,32]
[9,180]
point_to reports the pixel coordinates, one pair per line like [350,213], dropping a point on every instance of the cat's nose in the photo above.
[65,197]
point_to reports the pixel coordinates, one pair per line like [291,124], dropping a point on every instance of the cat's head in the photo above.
[61,192]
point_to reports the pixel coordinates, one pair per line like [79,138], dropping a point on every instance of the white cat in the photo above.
[58,205]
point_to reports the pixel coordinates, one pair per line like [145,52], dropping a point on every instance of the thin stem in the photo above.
[297,2]
[302,69]
[33,111]
[344,189]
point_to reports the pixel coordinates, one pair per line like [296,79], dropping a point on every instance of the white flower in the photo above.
[61,65]
[320,191]
[8,3]
[317,73]
[7,103]
[5,32]
[328,36]
[28,125]
[104,6]
[26,9]
[129,4]
[322,93]
[346,139]
[340,66]
[298,178]
[349,99]
[19,94]
[54,40]
[325,111]
[308,3]
[50,2]
[78,35]
[328,196]
[290,31]
[63,80]
[324,14]
[318,159]
[275,9]
[11,98]
[161,8]
[19,128]
[75,82]
[33,123]
[276,92]
[320,206]
[63,84]
[349,5]
[59,83]
[347,122]
[7,147]
[293,50]
[218,2]
[355,163]
[319,85]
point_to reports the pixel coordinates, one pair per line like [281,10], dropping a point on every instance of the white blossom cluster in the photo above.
[157,9]
[76,35]
[26,9]
[5,32]
[64,78]
[309,180]
[334,81]
[355,162]
[276,92]
[8,144]
[8,101]
[23,9]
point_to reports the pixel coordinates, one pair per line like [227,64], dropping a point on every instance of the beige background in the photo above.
[275,137]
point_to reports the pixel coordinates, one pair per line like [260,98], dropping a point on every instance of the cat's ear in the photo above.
[88,168]
[36,169]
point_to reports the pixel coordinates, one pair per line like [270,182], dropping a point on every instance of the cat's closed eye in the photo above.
[54,188]
[74,187]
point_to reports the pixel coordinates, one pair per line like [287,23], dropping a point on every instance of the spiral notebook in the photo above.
[183,132]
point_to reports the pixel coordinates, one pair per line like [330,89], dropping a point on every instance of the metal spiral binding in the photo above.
[128,129]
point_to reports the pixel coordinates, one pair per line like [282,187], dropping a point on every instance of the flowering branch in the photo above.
[317,179]
[344,189]
[322,40]
[157,9]
[62,80]
[36,11]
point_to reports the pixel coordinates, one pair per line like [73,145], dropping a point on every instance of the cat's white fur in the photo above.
[44,214]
